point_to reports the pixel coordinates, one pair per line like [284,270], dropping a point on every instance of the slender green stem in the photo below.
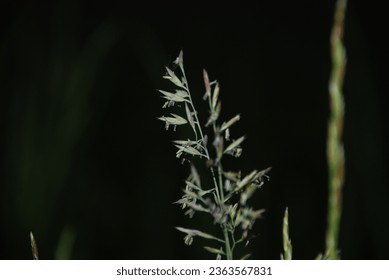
[229,249]
[335,152]
[220,173]
[219,169]
[228,245]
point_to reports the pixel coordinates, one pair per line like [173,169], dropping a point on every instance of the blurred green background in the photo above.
[86,166]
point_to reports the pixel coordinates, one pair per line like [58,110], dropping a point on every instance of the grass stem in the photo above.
[335,151]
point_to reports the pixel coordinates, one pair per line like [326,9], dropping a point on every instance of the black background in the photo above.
[83,156]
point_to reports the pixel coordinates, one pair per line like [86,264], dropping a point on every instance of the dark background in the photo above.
[86,166]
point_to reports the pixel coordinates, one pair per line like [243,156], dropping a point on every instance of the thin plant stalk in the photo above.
[335,150]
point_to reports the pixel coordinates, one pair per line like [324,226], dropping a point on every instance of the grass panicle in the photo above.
[226,200]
